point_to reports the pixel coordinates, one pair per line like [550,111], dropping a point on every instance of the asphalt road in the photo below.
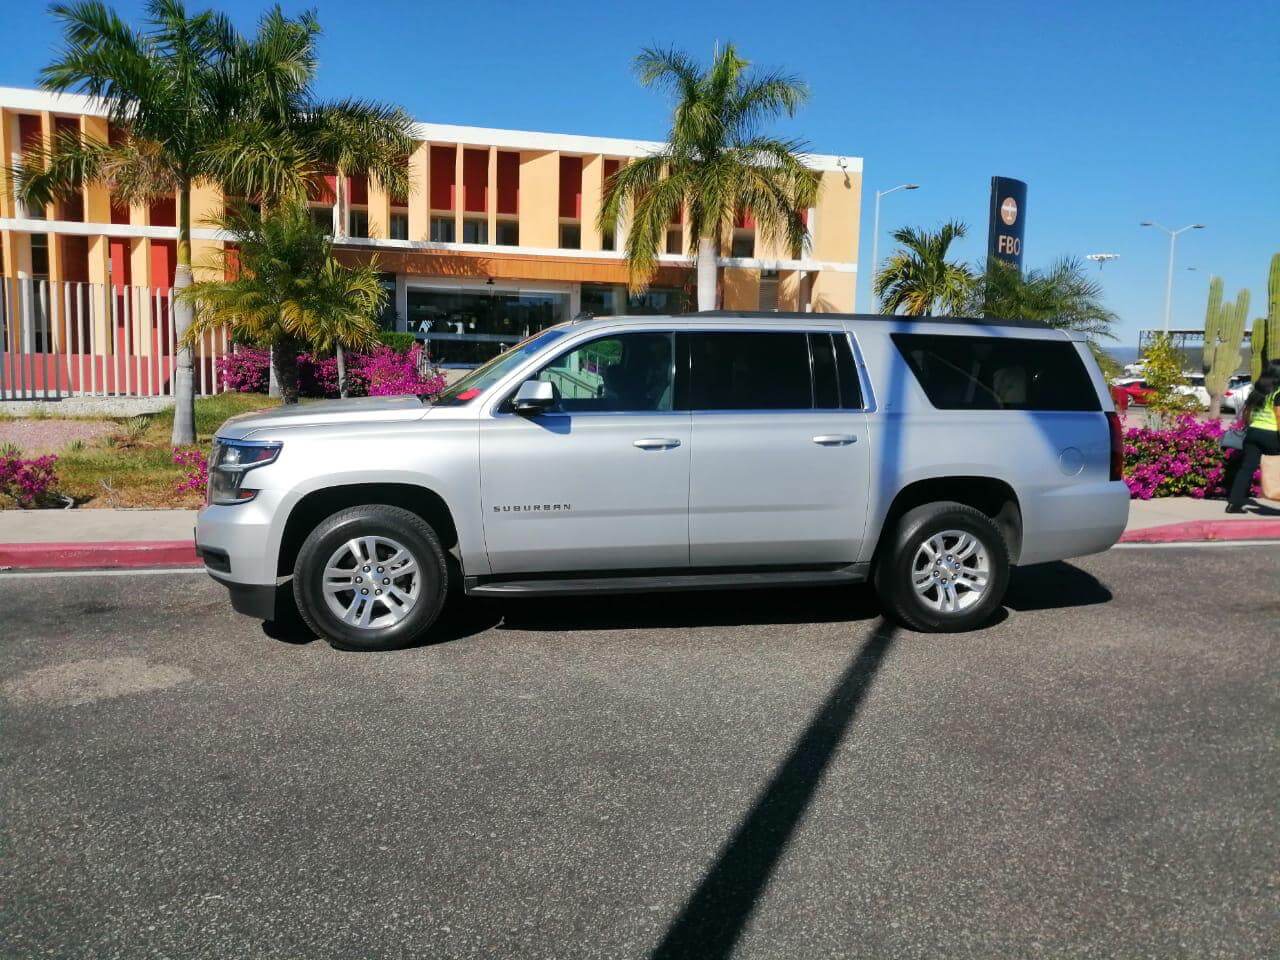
[772,774]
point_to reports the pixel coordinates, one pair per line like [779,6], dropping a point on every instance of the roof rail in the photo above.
[874,317]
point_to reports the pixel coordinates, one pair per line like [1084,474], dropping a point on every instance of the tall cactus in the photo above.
[1272,339]
[1212,316]
[1222,352]
[1257,346]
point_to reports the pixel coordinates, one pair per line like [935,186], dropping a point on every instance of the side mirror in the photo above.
[535,397]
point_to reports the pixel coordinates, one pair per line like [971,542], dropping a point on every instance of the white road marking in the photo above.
[127,572]
[1195,543]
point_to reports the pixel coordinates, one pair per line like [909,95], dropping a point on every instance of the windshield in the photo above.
[483,377]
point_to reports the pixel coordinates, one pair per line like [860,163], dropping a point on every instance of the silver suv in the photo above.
[715,450]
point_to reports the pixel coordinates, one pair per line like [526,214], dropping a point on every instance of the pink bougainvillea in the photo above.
[383,372]
[1185,460]
[196,465]
[29,482]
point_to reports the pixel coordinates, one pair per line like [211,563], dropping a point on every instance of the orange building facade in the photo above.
[497,236]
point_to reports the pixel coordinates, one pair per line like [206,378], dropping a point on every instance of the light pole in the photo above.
[1168,283]
[875,234]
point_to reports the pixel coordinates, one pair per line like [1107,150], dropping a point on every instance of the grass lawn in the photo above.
[133,466]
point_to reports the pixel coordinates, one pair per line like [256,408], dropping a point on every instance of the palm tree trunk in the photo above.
[706,273]
[284,361]
[184,398]
[342,370]
[273,382]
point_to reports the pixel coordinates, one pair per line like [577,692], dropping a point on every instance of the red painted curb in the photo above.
[104,553]
[1194,530]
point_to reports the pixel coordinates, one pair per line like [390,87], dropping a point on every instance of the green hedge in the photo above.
[397,341]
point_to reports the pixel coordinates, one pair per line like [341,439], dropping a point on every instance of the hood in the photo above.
[355,410]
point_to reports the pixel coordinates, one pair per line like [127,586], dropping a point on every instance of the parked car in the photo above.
[1194,387]
[1136,388]
[714,450]
[1236,393]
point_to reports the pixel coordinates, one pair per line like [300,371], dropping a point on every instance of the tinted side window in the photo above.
[749,371]
[634,372]
[997,373]
[826,383]
[850,389]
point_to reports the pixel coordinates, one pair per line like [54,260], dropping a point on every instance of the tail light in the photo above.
[1117,446]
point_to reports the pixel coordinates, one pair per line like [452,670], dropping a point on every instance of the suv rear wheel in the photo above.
[371,578]
[946,568]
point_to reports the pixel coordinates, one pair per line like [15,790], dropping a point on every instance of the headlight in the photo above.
[230,461]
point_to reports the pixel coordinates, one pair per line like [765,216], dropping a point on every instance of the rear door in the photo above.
[779,468]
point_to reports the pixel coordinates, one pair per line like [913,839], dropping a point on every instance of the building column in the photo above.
[97,210]
[139,306]
[379,210]
[491,208]
[206,209]
[459,192]
[592,199]
[539,222]
[419,198]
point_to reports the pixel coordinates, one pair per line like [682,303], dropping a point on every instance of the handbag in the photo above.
[1271,478]
[1232,440]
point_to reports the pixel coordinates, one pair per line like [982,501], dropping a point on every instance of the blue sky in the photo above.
[1112,112]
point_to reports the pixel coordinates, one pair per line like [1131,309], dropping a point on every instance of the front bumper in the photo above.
[260,601]
[239,548]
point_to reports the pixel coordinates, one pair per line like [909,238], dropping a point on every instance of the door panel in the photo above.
[585,491]
[602,481]
[779,470]
[777,487]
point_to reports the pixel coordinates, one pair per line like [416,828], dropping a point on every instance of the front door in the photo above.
[780,464]
[601,482]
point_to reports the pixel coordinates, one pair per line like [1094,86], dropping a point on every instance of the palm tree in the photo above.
[173,89]
[198,103]
[715,165]
[919,280]
[1063,295]
[285,290]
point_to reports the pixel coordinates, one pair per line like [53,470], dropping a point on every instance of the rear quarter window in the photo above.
[998,373]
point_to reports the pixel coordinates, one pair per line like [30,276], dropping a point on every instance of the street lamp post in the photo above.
[1168,283]
[875,234]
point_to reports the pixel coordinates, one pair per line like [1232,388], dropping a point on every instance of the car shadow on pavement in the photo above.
[708,608]
[1053,586]
[713,918]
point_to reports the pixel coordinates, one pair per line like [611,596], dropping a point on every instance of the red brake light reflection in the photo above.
[471,394]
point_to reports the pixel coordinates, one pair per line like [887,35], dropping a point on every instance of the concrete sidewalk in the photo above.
[60,539]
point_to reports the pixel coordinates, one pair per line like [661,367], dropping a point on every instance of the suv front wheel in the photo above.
[945,569]
[371,578]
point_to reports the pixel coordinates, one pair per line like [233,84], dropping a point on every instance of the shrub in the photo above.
[196,465]
[29,482]
[397,340]
[1163,374]
[1185,460]
[248,370]
[383,372]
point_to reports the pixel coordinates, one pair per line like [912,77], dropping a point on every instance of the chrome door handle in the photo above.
[835,439]
[656,443]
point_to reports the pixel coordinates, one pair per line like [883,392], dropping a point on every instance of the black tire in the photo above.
[372,521]
[897,566]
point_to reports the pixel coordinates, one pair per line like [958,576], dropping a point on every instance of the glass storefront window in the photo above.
[467,327]
[612,299]
[442,230]
[399,226]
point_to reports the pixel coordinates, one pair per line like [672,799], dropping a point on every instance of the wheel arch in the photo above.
[309,511]
[991,496]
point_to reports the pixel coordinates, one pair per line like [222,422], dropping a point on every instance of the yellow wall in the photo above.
[539,198]
[836,231]
[741,288]
[833,292]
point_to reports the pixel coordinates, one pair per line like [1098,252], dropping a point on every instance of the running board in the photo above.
[623,583]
